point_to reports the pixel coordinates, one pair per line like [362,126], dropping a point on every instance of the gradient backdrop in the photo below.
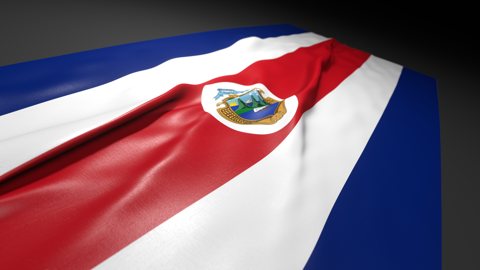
[404,33]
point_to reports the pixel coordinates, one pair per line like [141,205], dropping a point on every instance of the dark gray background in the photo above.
[403,32]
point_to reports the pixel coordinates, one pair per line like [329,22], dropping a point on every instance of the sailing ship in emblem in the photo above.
[252,106]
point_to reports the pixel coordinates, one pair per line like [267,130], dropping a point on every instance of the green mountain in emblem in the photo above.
[242,107]
[249,101]
[258,102]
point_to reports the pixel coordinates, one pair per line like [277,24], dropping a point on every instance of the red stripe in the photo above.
[79,207]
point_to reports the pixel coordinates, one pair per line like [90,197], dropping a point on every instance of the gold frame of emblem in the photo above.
[227,112]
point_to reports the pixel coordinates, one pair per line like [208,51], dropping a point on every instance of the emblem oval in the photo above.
[248,108]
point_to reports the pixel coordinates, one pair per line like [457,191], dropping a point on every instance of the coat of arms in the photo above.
[249,107]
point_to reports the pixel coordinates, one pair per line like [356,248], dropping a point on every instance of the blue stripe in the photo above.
[30,83]
[388,215]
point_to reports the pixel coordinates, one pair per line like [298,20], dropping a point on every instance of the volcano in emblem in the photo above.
[249,107]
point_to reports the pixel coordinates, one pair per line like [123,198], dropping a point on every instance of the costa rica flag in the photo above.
[253,148]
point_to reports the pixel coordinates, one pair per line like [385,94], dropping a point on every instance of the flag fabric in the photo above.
[254,148]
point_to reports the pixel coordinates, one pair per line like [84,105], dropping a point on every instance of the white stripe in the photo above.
[271,215]
[32,131]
